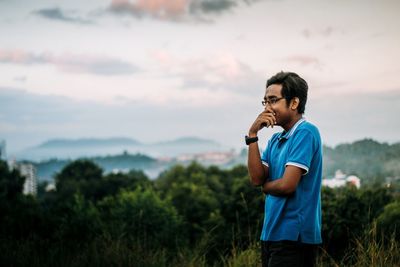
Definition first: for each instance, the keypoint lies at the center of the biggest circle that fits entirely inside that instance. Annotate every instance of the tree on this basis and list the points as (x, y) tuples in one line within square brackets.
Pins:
[(113, 183), (388, 221), (193, 194), (11, 182), (19, 214), (79, 176), (141, 216)]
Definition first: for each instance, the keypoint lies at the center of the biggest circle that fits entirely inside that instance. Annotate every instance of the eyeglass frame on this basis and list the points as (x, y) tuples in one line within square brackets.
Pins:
[(271, 101)]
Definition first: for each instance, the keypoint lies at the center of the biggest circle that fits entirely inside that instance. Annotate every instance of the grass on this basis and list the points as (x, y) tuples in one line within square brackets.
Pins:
[(370, 250)]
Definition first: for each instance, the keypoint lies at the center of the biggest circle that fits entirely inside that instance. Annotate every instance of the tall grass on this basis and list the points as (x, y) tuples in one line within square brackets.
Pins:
[(374, 249), (370, 250)]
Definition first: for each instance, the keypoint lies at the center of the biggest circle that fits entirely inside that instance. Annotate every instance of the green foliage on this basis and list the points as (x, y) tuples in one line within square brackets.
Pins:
[(18, 213), (80, 220), (389, 220), (141, 216), (87, 178), (347, 214), (11, 182), (79, 176), (191, 192)]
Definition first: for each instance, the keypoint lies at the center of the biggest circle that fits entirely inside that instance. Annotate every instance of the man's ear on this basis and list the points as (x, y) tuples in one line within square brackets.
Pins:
[(295, 103)]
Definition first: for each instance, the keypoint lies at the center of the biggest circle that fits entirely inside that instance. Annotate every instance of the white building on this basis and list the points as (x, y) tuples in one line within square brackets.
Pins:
[(29, 172), (340, 179)]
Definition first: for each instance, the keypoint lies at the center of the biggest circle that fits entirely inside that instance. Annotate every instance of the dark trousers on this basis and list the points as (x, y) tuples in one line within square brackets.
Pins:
[(288, 254)]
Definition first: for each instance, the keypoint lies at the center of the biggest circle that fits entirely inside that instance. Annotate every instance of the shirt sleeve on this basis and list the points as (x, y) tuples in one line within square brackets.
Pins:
[(302, 150)]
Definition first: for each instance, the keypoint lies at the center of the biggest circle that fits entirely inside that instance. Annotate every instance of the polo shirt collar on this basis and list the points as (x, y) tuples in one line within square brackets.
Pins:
[(285, 135)]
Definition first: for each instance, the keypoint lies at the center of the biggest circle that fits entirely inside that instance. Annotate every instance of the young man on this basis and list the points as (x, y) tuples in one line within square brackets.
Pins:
[(289, 172)]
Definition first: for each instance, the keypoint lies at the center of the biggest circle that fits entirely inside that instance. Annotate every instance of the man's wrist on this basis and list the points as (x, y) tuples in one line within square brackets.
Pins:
[(249, 140), (251, 134)]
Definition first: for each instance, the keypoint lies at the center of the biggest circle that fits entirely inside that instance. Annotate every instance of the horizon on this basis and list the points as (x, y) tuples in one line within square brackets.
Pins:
[(172, 69), (13, 153)]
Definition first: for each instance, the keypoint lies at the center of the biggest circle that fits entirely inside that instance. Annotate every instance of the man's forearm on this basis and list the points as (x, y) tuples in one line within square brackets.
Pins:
[(275, 188), (255, 167), (286, 185)]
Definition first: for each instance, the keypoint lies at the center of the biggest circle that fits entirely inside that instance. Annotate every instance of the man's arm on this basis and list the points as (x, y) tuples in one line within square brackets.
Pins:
[(287, 184), (258, 172)]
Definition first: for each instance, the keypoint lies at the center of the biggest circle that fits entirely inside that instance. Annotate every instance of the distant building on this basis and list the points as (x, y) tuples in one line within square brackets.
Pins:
[(340, 179), (392, 181), (207, 158), (50, 187), (3, 155), (29, 172)]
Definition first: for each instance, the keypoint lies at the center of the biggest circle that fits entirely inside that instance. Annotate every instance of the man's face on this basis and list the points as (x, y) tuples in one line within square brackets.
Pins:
[(277, 104)]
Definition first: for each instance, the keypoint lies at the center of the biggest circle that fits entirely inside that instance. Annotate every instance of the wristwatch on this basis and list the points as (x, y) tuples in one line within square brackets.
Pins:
[(250, 140)]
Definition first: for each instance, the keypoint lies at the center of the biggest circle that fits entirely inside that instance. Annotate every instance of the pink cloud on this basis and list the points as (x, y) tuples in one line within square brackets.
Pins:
[(162, 56), (164, 9), (160, 7), (304, 60), (99, 65), (21, 57), (175, 10)]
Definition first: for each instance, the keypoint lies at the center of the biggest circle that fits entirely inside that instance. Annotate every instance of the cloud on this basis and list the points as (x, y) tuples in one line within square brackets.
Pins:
[(98, 65), (162, 9), (21, 79), (303, 60), (174, 10), (211, 6), (58, 14), (215, 72), (321, 32)]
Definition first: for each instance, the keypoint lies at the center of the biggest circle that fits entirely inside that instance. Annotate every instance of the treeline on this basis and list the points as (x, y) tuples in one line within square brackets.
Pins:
[(189, 216), (47, 169)]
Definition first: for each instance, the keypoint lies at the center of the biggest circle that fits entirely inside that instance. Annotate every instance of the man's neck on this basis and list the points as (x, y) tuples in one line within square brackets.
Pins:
[(292, 122)]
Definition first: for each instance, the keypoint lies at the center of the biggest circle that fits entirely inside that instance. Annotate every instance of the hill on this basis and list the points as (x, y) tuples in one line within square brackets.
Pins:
[(91, 147), (87, 142), (370, 160)]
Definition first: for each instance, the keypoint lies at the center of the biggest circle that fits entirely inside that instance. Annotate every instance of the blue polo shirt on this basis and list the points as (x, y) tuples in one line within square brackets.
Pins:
[(296, 217)]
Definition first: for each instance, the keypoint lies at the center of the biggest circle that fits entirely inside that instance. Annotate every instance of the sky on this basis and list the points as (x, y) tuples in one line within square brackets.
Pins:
[(157, 70)]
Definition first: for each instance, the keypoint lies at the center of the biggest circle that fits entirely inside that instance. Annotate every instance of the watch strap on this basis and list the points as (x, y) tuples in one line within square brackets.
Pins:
[(250, 140)]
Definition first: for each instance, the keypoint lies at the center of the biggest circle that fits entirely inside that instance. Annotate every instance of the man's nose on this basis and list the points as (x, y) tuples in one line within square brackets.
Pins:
[(268, 108)]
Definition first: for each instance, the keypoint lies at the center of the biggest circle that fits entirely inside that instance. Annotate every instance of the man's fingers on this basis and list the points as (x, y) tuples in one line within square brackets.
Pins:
[(268, 117), (266, 122)]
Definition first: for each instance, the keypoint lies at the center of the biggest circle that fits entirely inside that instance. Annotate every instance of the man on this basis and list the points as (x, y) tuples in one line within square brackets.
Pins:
[(289, 172)]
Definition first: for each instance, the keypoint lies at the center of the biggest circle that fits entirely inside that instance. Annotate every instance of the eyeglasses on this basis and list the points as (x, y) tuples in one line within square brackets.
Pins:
[(271, 101)]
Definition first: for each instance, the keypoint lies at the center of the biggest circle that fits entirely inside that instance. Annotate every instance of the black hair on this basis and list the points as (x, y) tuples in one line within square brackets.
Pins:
[(292, 86)]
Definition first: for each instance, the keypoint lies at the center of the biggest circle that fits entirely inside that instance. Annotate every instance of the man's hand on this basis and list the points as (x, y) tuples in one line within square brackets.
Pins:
[(265, 119)]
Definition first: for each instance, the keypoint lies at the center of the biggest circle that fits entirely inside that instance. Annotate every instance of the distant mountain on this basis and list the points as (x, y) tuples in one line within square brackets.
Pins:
[(88, 142), (92, 147)]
